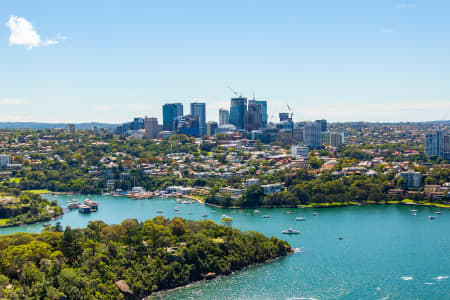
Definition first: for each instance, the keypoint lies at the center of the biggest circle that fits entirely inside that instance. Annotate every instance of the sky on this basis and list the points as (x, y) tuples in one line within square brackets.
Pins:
[(110, 61)]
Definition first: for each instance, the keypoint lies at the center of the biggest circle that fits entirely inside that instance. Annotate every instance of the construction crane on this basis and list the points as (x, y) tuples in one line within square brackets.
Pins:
[(290, 110), (234, 92)]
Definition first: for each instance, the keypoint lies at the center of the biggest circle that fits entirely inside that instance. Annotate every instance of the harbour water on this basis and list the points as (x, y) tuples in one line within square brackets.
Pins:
[(386, 252)]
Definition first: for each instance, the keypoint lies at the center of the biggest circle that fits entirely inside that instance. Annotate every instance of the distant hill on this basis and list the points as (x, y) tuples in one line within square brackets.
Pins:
[(37, 125)]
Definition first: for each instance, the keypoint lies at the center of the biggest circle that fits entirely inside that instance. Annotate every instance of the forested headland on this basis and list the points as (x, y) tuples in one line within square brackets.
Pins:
[(126, 261)]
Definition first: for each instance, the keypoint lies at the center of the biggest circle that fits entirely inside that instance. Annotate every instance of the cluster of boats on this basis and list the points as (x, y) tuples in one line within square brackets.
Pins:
[(414, 213), (88, 206)]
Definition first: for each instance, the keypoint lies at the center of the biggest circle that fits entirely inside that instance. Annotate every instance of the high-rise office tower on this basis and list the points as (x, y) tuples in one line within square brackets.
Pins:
[(284, 117), (238, 112), (447, 146), (434, 143), (254, 115), (211, 127), (138, 123), (312, 134), (224, 117), (264, 117), (188, 125), (323, 125), (170, 112), (151, 128), (199, 110)]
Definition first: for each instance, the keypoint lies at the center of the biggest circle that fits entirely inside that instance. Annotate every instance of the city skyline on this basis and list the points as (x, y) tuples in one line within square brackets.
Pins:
[(383, 61)]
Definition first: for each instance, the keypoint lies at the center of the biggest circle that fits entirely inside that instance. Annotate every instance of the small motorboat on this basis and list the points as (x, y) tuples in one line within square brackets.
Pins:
[(414, 214), (290, 231), (288, 213), (177, 209), (159, 211), (300, 219), (213, 211), (413, 210), (315, 214), (266, 216), (190, 212), (256, 211), (205, 216), (340, 238), (431, 217), (437, 212)]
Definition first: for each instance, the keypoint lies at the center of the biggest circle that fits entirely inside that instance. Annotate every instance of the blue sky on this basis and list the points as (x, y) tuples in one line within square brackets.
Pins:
[(112, 60)]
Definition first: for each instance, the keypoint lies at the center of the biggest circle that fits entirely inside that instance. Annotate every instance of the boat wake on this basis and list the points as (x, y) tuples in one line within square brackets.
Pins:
[(407, 278), (298, 250)]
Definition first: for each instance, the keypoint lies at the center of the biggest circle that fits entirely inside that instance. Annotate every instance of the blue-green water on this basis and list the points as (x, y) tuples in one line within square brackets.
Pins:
[(386, 252)]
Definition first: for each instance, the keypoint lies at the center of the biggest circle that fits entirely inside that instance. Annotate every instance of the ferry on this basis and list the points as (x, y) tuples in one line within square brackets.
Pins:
[(290, 231), (300, 219)]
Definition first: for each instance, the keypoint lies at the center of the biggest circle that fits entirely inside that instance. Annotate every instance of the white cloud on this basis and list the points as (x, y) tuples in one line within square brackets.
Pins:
[(387, 30), (12, 101), (24, 34), (406, 6)]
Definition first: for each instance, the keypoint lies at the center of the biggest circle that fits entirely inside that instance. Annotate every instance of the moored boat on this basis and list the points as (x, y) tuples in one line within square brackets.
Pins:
[(300, 219), (290, 231)]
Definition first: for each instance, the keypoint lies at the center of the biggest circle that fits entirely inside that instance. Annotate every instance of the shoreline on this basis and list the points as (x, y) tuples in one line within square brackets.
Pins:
[(162, 292)]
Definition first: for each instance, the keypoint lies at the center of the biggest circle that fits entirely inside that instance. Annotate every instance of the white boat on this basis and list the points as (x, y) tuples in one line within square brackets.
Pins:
[(438, 212), (190, 212), (224, 216), (288, 213), (300, 219), (414, 214), (256, 211), (431, 217), (213, 211), (266, 216), (205, 216), (413, 210), (290, 231), (315, 214), (177, 209)]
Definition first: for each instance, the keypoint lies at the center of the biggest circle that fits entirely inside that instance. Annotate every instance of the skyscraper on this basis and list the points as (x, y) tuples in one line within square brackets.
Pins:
[(224, 117), (170, 112), (323, 125), (284, 117), (254, 115), (211, 127), (238, 112), (198, 110), (188, 125), (336, 139), (447, 146), (434, 143), (151, 128), (263, 104), (312, 134)]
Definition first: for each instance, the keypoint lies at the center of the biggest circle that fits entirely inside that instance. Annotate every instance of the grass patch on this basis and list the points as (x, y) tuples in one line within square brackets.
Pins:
[(38, 191)]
